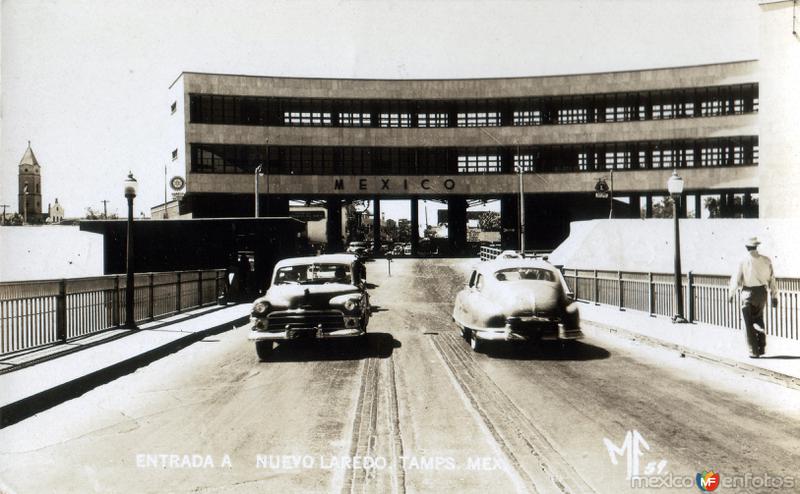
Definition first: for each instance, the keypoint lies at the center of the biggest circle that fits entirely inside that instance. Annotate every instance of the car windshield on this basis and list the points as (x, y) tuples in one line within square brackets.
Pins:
[(313, 274), (517, 274)]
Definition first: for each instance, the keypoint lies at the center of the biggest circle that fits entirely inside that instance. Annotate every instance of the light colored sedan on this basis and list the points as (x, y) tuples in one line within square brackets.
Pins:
[(516, 300)]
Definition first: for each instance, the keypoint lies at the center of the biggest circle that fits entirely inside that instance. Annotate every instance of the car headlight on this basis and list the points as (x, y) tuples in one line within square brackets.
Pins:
[(351, 305), (260, 308)]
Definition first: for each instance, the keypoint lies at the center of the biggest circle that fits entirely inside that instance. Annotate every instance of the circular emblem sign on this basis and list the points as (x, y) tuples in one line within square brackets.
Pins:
[(177, 183)]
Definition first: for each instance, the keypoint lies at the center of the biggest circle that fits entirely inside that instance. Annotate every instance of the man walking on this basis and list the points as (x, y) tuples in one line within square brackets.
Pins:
[(755, 277)]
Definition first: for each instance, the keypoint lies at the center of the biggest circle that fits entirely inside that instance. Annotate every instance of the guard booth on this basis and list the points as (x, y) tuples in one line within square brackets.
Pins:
[(208, 243)]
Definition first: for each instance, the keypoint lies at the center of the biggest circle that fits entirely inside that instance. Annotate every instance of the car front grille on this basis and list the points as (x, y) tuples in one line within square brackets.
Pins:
[(305, 319)]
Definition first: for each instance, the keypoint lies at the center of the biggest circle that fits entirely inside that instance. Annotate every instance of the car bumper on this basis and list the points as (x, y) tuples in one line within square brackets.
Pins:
[(299, 334), (508, 334), (307, 325)]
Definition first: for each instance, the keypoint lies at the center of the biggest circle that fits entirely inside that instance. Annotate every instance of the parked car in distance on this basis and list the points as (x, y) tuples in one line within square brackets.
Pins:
[(516, 300), (311, 297), (397, 250), (357, 248), (509, 254), (407, 250)]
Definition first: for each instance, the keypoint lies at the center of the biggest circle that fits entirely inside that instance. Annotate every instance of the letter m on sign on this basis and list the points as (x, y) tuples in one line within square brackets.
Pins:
[(338, 184)]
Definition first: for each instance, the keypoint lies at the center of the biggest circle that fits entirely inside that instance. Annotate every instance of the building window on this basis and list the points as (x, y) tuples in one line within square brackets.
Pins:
[(526, 161), (664, 111), (618, 114), (572, 116), (355, 119), (479, 119), (527, 117), (430, 120), (712, 107), (479, 164), (618, 159), (395, 120), (174, 107), (306, 118), (175, 154), (712, 156)]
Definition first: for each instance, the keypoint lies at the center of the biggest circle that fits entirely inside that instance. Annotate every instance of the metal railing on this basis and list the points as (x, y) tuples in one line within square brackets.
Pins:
[(38, 313), (490, 252), (705, 297)]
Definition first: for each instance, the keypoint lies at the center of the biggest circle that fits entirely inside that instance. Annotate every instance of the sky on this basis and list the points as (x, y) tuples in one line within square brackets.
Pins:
[(86, 81)]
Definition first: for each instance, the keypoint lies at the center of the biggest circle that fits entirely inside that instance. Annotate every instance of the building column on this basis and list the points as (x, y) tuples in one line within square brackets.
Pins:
[(648, 206), (457, 224), (634, 206), (414, 225), (509, 238), (698, 205), (376, 225), (333, 226)]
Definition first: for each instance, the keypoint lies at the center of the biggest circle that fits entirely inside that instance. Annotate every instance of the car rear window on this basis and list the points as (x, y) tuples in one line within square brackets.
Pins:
[(518, 274)]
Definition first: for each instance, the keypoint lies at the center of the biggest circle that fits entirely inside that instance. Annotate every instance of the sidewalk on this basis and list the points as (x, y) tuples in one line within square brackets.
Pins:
[(33, 381), (716, 344)]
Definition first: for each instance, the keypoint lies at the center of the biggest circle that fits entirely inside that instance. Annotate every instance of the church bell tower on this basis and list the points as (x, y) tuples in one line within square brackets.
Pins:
[(30, 187)]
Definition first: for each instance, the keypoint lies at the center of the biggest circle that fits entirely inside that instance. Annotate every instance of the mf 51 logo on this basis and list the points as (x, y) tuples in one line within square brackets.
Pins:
[(708, 480), (631, 449)]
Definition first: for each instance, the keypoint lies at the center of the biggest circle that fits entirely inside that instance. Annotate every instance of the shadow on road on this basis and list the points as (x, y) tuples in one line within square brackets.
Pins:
[(781, 357), (548, 350), (374, 345)]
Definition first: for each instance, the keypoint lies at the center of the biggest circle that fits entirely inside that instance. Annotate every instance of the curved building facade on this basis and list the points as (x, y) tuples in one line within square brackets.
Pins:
[(457, 141)]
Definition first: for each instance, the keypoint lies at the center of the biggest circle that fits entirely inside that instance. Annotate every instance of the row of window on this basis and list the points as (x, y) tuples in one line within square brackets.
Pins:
[(320, 160), (616, 107)]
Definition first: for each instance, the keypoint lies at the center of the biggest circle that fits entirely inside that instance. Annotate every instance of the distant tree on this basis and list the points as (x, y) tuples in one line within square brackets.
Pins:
[(712, 205), (93, 214), (489, 221), (663, 208), (403, 230), (15, 220), (390, 229)]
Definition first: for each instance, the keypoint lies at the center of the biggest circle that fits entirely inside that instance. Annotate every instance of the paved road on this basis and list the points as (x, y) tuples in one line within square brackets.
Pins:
[(413, 411)]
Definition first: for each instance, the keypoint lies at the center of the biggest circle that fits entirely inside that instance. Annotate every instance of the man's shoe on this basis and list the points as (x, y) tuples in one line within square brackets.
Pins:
[(754, 355)]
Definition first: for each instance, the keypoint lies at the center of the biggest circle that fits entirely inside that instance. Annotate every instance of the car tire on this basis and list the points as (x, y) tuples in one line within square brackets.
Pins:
[(263, 349), (465, 332), (476, 344)]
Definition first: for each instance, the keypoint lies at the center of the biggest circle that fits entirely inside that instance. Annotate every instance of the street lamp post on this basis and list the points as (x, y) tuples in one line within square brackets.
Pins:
[(675, 188), (521, 172), (261, 170), (130, 186), (256, 175)]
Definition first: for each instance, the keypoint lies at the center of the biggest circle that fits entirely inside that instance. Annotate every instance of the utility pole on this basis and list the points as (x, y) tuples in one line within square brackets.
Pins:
[(4, 206), (105, 210)]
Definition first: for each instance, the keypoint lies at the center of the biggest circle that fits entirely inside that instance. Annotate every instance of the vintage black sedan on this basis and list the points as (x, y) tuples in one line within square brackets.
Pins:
[(311, 297), (516, 300)]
